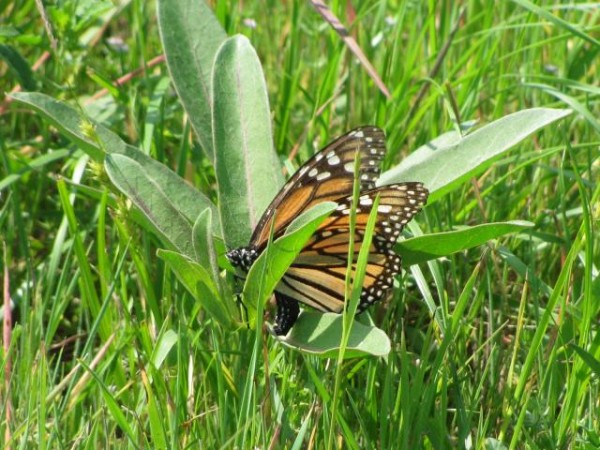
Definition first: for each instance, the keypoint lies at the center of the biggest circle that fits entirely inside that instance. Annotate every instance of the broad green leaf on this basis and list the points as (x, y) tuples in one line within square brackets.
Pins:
[(247, 168), (149, 196), (443, 140), (163, 346), (191, 35), (274, 261), (321, 334), (203, 242), (72, 123), (445, 168), (187, 200), (198, 281), (100, 141), (310, 215), (205, 254), (425, 248)]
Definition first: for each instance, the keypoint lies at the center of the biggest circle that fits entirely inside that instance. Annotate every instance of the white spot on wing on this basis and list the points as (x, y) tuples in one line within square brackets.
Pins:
[(323, 176), (333, 160)]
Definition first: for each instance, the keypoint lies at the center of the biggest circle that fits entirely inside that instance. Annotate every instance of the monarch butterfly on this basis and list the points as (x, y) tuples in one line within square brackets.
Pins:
[(317, 276)]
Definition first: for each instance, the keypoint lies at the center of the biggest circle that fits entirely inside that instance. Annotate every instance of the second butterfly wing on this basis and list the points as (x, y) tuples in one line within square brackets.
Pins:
[(317, 276)]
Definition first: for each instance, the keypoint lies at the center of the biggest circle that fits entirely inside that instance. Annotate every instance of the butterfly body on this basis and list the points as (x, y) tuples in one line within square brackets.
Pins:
[(317, 276), (242, 257)]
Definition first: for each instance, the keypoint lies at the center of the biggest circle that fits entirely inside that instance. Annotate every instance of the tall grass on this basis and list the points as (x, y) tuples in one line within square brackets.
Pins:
[(107, 349)]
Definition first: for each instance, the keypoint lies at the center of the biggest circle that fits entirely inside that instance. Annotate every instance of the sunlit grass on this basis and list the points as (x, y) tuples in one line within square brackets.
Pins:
[(108, 349)]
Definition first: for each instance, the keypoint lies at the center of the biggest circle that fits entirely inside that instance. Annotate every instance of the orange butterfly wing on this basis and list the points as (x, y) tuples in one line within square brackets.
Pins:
[(317, 276), (327, 176)]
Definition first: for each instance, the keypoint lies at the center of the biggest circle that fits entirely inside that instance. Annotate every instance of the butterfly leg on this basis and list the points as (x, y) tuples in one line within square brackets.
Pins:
[(287, 313)]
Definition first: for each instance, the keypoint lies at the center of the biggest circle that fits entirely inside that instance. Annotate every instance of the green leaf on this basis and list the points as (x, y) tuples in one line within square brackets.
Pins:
[(206, 254), (445, 168), (203, 243), (443, 140), (587, 358), (321, 334), (198, 281), (191, 35), (19, 65), (187, 200), (72, 123), (425, 248), (247, 168), (99, 141), (148, 195), (165, 343), (493, 444), (274, 261), (308, 217)]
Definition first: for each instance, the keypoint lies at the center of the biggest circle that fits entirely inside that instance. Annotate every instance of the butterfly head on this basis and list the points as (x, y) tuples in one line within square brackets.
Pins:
[(242, 257)]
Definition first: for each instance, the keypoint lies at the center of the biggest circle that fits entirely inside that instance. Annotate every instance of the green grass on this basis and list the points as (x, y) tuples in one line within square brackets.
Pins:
[(108, 348)]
